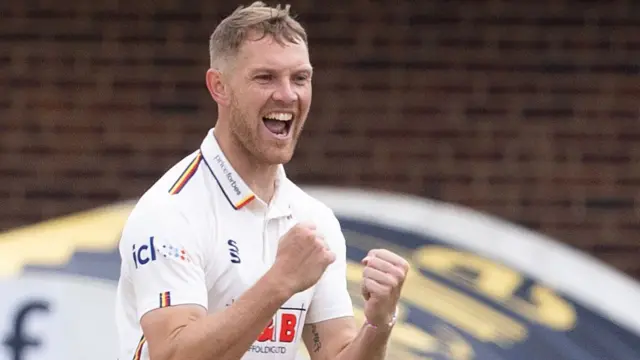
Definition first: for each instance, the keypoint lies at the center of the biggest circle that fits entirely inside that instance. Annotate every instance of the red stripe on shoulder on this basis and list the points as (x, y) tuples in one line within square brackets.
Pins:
[(186, 175)]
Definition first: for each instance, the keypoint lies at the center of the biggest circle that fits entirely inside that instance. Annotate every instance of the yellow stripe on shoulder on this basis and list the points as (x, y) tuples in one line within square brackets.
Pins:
[(186, 175)]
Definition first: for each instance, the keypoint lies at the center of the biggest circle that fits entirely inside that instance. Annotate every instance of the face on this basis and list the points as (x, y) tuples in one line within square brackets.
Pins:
[(269, 91)]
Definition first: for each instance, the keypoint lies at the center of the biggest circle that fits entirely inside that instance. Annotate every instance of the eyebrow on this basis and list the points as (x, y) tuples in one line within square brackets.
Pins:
[(304, 68)]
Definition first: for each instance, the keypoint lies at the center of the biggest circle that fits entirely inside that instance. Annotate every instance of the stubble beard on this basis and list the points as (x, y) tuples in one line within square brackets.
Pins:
[(246, 135)]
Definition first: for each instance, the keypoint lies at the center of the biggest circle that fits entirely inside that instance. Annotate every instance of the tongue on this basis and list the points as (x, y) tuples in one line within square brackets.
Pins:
[(275, 126)]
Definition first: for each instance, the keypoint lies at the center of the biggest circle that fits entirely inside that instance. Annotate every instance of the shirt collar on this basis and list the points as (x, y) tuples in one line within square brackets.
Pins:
[(280, 204), (233, 187)]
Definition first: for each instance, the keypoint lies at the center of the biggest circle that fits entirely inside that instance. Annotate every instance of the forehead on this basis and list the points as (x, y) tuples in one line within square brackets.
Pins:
[(266, 52)]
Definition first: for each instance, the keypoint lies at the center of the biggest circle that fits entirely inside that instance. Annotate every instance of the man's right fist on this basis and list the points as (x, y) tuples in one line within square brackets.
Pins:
[(302, 257)]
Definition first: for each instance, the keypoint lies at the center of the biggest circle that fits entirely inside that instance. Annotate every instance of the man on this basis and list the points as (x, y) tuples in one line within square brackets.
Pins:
[(224, 257)]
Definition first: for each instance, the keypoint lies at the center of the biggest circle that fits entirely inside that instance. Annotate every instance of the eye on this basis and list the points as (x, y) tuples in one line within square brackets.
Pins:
[(263, 77), (302, 78)]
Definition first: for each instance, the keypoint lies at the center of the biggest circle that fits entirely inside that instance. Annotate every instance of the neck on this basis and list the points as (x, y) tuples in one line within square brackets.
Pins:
[(260, 177)]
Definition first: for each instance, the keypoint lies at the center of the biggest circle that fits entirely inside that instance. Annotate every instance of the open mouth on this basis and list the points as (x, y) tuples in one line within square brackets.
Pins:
[(278, 123)]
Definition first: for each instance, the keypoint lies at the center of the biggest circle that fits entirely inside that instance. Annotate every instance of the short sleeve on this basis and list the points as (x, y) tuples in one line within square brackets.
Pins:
[(331, 297), (161, 254)]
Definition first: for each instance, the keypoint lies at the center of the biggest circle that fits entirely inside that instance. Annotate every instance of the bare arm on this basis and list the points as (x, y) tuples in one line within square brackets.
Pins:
[(339, 339), (187, 332)]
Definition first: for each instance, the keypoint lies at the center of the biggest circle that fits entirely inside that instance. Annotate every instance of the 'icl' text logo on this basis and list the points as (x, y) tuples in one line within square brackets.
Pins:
[(144, 253)]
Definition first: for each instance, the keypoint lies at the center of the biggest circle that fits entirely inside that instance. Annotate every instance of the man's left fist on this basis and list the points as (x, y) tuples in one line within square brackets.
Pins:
[(383, 277)]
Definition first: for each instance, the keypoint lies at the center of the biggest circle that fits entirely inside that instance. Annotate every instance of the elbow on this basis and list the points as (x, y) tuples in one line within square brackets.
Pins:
[(168, 350), (177, 352), (182, 345), (161, 354)]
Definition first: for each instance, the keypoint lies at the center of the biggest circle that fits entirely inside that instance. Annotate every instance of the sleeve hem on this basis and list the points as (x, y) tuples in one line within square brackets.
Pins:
[(153, 304), (328, 314)]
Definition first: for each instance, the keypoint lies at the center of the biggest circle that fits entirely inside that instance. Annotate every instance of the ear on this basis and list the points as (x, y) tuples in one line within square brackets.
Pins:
[(217, 87)]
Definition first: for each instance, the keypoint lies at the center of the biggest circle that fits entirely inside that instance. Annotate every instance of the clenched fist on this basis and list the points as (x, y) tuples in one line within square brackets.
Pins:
[(382, 280), (302, 257)]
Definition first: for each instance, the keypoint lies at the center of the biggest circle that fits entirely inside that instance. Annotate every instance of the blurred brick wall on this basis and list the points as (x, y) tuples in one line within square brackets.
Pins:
[(524, 109)]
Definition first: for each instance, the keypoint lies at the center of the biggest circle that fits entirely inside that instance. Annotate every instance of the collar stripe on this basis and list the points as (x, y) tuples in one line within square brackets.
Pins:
[(244, 202), (233, 187), (220, 185)]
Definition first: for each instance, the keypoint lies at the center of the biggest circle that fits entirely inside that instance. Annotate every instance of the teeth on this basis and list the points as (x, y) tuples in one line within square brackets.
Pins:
[(279, 116)]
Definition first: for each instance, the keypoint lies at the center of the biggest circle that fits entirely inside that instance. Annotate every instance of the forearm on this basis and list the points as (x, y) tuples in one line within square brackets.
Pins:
[(369, 344), (228, 334)]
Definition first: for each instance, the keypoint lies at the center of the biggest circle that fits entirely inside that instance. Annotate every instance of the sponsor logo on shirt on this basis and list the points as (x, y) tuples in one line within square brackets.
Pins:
[(228, 174), (282, 330), (234, 252), (152, 250)]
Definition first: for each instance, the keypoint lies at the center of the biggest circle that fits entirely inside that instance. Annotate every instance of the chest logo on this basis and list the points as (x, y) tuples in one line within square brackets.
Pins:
[(234, 252)]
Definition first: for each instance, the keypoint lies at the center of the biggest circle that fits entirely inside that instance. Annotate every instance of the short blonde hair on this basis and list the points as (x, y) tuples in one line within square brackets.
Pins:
[(257, 18)]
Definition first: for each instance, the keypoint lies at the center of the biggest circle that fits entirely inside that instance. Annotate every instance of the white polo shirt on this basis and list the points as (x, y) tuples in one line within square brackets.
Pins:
[(200, 236)]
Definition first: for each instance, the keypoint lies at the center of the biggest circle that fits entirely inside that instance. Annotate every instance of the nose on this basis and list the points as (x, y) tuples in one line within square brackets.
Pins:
[(285, 93)]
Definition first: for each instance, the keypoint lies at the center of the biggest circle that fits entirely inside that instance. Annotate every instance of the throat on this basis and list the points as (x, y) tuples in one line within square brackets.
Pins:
[(263, 184), (259, 176)]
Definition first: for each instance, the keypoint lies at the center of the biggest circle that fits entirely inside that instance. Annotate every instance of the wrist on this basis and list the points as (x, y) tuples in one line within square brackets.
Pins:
[(387, 323), (278, 285)]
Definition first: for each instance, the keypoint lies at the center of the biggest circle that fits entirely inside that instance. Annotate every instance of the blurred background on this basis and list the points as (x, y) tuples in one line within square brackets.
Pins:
[(526, 111)]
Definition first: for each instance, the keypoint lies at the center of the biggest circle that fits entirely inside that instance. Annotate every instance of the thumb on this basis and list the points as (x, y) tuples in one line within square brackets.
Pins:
[(365, 292), (330, 256), (307, 224)]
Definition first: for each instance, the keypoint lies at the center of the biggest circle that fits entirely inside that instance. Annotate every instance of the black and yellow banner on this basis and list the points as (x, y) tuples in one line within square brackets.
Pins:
[(479, 289)]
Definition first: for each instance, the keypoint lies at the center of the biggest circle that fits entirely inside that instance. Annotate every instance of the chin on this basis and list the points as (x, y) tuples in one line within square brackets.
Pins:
[(277, 156)]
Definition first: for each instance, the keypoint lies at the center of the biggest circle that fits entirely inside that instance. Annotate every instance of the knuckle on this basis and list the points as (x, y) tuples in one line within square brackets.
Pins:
[(374, 261), (393, 279), (305, 235), (330, 256), (294, 232), (405, 266), (388, 291), (399, 273), (390, 281)]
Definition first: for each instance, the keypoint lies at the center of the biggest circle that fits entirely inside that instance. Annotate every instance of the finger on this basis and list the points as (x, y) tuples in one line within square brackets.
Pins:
[(330, 256), (373, 287), (307, 225), (363, 289), (380, 277), (389, 256), (386, 267), (303, 231), (322, 241)]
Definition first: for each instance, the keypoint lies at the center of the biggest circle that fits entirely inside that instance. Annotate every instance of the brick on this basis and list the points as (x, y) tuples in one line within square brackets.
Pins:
[(524, 111)]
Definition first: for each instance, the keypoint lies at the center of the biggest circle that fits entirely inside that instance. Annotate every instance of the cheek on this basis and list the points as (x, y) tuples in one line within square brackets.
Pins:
[(246, 106), (256, 99), (305, 97)]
